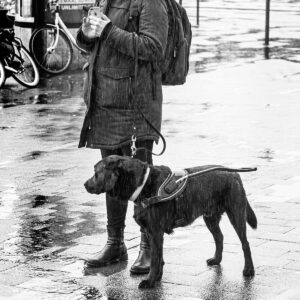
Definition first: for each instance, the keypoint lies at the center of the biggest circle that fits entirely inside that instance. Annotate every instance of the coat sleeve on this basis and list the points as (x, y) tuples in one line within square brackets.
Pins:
[(152, 33), (84, 42)]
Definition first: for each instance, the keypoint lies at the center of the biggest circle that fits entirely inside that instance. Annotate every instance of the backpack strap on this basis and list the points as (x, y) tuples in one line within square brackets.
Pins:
[(134, 9)]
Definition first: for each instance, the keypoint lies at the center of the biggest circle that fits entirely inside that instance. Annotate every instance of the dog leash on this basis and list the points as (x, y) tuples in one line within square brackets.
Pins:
[(216, 169), (162, 137), (136, 107), (174, 184)]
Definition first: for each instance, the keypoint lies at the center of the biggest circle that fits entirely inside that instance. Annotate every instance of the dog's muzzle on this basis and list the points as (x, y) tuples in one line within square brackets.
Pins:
[(90, 187)]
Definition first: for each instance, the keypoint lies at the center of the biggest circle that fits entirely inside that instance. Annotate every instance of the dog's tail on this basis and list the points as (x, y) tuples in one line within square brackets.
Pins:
[(251, 217)]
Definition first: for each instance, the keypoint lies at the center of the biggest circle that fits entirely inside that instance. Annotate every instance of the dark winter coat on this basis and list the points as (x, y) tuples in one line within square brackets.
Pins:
[(110, 111)]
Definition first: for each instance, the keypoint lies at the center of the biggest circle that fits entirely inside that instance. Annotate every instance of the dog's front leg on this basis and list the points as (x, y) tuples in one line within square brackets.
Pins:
[(156, 266)]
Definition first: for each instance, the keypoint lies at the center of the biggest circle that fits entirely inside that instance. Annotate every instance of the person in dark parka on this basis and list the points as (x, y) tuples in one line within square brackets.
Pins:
[(111, 112)]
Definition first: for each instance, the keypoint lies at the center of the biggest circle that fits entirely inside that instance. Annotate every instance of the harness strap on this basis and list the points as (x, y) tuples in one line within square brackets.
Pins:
[(151, 201), (163, 193)]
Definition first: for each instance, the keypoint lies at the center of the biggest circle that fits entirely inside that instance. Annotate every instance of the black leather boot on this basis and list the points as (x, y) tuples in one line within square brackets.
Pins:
[(142, 263), (113, 252)]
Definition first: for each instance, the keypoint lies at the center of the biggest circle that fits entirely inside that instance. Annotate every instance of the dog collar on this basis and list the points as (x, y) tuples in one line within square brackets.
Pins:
[(138, 190)]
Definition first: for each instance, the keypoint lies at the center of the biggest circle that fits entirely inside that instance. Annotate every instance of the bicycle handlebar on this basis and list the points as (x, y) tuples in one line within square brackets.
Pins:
[(53, 6)]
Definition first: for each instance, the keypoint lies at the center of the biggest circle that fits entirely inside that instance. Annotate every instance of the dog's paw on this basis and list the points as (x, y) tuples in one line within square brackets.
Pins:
[(213, 261), (146, 284), (248, 272)]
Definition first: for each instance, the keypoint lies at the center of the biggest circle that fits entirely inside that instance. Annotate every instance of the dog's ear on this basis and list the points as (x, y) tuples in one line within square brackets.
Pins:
[(127, 165), (130, 173), (110, 181), (134, 167)]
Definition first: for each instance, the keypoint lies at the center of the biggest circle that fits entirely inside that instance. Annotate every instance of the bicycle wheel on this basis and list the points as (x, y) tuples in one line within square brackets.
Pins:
[(27, 71), (2, 74), (57, 60)]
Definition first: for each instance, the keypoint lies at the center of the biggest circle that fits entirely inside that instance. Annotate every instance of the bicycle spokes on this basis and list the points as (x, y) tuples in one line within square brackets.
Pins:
[(52, 40), (51, 49), (27, 73)]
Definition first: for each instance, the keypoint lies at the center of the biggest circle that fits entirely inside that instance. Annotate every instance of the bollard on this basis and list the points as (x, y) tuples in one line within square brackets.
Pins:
[(267, 27), (198, 9)]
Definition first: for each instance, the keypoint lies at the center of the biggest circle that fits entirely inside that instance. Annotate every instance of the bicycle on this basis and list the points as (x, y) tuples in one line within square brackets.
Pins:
[(51, 45), (16, 61)]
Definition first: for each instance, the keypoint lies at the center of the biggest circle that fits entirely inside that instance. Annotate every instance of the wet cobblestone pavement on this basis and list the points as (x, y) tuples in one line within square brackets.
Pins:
[(243, 112)]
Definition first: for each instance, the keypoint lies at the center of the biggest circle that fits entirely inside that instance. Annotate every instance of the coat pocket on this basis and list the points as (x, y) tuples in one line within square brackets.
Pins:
[(113, 87)]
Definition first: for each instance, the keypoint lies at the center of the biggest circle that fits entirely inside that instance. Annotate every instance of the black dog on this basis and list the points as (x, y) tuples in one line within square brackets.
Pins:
[(210, 195)]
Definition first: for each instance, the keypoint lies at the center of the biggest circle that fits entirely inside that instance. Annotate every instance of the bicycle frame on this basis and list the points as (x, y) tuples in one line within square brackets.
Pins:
[(18, 44), (58, 22)]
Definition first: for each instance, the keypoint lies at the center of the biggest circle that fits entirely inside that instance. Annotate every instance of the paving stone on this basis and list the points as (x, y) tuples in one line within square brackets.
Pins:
[(8, 291), (285, 246), (291, 294), (49, 286), (294, 265), (292, 255), (5, 265), (51, 265), (261, 260), (15, 276)]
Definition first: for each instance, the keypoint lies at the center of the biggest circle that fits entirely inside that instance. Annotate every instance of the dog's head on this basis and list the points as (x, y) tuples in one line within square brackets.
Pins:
[(117, 176)]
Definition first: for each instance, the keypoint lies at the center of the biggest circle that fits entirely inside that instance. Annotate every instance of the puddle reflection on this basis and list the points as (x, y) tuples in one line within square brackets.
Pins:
[(45, 222), (32, 155), (219, 287), (49, 91), (107, 270), (267, 154)]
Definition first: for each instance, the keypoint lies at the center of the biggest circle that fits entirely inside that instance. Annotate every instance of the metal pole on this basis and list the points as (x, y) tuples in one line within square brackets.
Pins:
[(267, 28), (198, 7)]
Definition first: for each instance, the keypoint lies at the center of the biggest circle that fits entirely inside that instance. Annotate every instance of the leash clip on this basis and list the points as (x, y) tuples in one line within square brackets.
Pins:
[(133, 146)]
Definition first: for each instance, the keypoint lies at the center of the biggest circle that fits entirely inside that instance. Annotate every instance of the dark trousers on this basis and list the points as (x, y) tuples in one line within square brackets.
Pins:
[(116, 210)]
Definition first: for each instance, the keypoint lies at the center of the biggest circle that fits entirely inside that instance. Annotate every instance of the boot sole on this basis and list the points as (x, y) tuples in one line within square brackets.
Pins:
[(113, 261), (139, 271)]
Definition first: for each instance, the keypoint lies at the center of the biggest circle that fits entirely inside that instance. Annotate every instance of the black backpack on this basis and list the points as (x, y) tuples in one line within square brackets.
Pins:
[(175, 65)]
